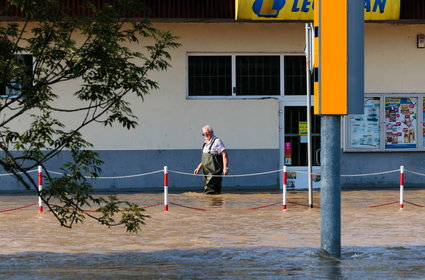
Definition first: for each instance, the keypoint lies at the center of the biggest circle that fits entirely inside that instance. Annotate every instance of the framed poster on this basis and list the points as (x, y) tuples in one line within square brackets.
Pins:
[(400, 122), (365, 129)]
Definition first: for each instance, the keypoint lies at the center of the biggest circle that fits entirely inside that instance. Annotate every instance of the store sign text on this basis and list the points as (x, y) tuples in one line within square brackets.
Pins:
[(303, 9)]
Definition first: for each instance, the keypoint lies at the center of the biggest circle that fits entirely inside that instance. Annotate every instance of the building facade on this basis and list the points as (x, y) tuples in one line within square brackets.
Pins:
[(248, 80)]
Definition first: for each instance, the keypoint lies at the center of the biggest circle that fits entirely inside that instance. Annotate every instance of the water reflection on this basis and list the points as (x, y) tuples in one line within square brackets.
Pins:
[(330, 268), (217, 202)]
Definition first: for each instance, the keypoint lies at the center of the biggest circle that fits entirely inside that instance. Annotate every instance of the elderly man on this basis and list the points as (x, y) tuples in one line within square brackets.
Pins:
[(215, 161)]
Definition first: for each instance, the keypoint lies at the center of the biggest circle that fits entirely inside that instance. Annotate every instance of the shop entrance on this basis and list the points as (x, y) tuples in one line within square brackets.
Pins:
[(295, 134), (294, 145)]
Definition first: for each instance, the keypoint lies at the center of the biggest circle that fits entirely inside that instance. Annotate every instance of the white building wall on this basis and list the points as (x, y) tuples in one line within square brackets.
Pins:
[(168, 120), (393, 63)]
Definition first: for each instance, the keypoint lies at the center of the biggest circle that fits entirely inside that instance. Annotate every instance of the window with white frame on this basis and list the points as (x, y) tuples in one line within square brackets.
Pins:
[(18, 73), (389, 123), (223, 75)]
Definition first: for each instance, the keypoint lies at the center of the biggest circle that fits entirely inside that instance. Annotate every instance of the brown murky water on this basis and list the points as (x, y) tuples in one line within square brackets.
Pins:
[(227, 241)]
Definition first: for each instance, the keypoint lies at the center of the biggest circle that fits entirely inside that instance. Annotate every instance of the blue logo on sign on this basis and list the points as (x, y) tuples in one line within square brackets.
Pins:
[(268, 8)]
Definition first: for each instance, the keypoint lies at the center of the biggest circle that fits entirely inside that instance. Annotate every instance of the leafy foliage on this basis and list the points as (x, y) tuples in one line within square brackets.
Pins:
[(112, 57)]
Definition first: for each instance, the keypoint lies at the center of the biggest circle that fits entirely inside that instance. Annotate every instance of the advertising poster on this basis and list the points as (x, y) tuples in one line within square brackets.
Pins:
[(365, 129), (400, 122)]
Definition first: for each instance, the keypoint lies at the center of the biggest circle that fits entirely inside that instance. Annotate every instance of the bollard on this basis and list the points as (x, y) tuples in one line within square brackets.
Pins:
[(165, 188), (285, 183), (401, 187), (40, 188)]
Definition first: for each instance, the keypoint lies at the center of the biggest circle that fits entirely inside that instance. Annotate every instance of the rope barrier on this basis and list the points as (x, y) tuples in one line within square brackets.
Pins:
[(54, 172), (414, 204), (130, 176), (184, 206), (149, 206), (18, 208), (226, 176), (91, 211), (97, 211), (203, 209), (416, 173), (11, 174), (264, 206), (305, 205), (371, 174), (116, 177), (166, 171), (384, 204)]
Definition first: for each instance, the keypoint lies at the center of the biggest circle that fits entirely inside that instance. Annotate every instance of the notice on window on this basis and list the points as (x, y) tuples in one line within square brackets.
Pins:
[(302, 128), (400, 122), (288, 153), (365, 129)]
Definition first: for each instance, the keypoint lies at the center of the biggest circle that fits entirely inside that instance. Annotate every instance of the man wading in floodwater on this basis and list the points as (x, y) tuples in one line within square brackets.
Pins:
[(214, 161)]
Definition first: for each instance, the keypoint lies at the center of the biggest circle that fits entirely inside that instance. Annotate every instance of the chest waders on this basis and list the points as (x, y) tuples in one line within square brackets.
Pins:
[(212, 165)]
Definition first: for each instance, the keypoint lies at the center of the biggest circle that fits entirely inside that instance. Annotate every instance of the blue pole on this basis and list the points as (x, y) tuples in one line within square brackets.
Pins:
[(330, 189)]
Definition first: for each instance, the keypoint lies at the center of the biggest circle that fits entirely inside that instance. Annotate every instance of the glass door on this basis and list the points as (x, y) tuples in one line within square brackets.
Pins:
[(294, 147), (295, 136)]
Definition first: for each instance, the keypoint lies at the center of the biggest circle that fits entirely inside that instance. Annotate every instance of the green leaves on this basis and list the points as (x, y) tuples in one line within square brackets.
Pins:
[(106, 59), (74, 193), (131, 216)]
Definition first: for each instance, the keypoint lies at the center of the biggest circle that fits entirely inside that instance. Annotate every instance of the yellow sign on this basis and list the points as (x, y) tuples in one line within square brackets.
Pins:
[(392, 100), (339, 61), (302, 128), (331, 96), (304, 9)]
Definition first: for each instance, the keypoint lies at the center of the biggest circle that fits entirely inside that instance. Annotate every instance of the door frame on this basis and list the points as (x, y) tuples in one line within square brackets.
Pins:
[(288, 101)]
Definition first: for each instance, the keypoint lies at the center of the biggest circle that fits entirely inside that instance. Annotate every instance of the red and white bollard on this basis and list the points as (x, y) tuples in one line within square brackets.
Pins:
[(165, 188), (285, 181), (40, 188), (401, 187)]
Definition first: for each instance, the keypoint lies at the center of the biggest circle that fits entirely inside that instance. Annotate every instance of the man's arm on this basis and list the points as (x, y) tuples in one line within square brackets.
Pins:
[(225, 162), (196, 171)]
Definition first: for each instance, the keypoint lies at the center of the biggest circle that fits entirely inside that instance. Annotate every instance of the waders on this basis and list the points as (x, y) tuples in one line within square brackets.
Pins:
[(212, 165)]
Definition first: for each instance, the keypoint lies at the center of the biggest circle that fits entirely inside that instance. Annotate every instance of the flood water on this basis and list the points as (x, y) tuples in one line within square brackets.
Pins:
[(227, 241)]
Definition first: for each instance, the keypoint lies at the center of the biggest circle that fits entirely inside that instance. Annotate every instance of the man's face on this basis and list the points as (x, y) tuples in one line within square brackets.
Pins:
[(206, 134)]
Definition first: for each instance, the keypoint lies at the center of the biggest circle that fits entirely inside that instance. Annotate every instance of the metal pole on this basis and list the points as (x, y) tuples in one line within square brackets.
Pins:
[(309, 69), (330, 189)]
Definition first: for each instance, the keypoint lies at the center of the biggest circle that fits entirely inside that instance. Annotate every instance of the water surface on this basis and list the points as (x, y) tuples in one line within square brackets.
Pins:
[(226, 241)]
